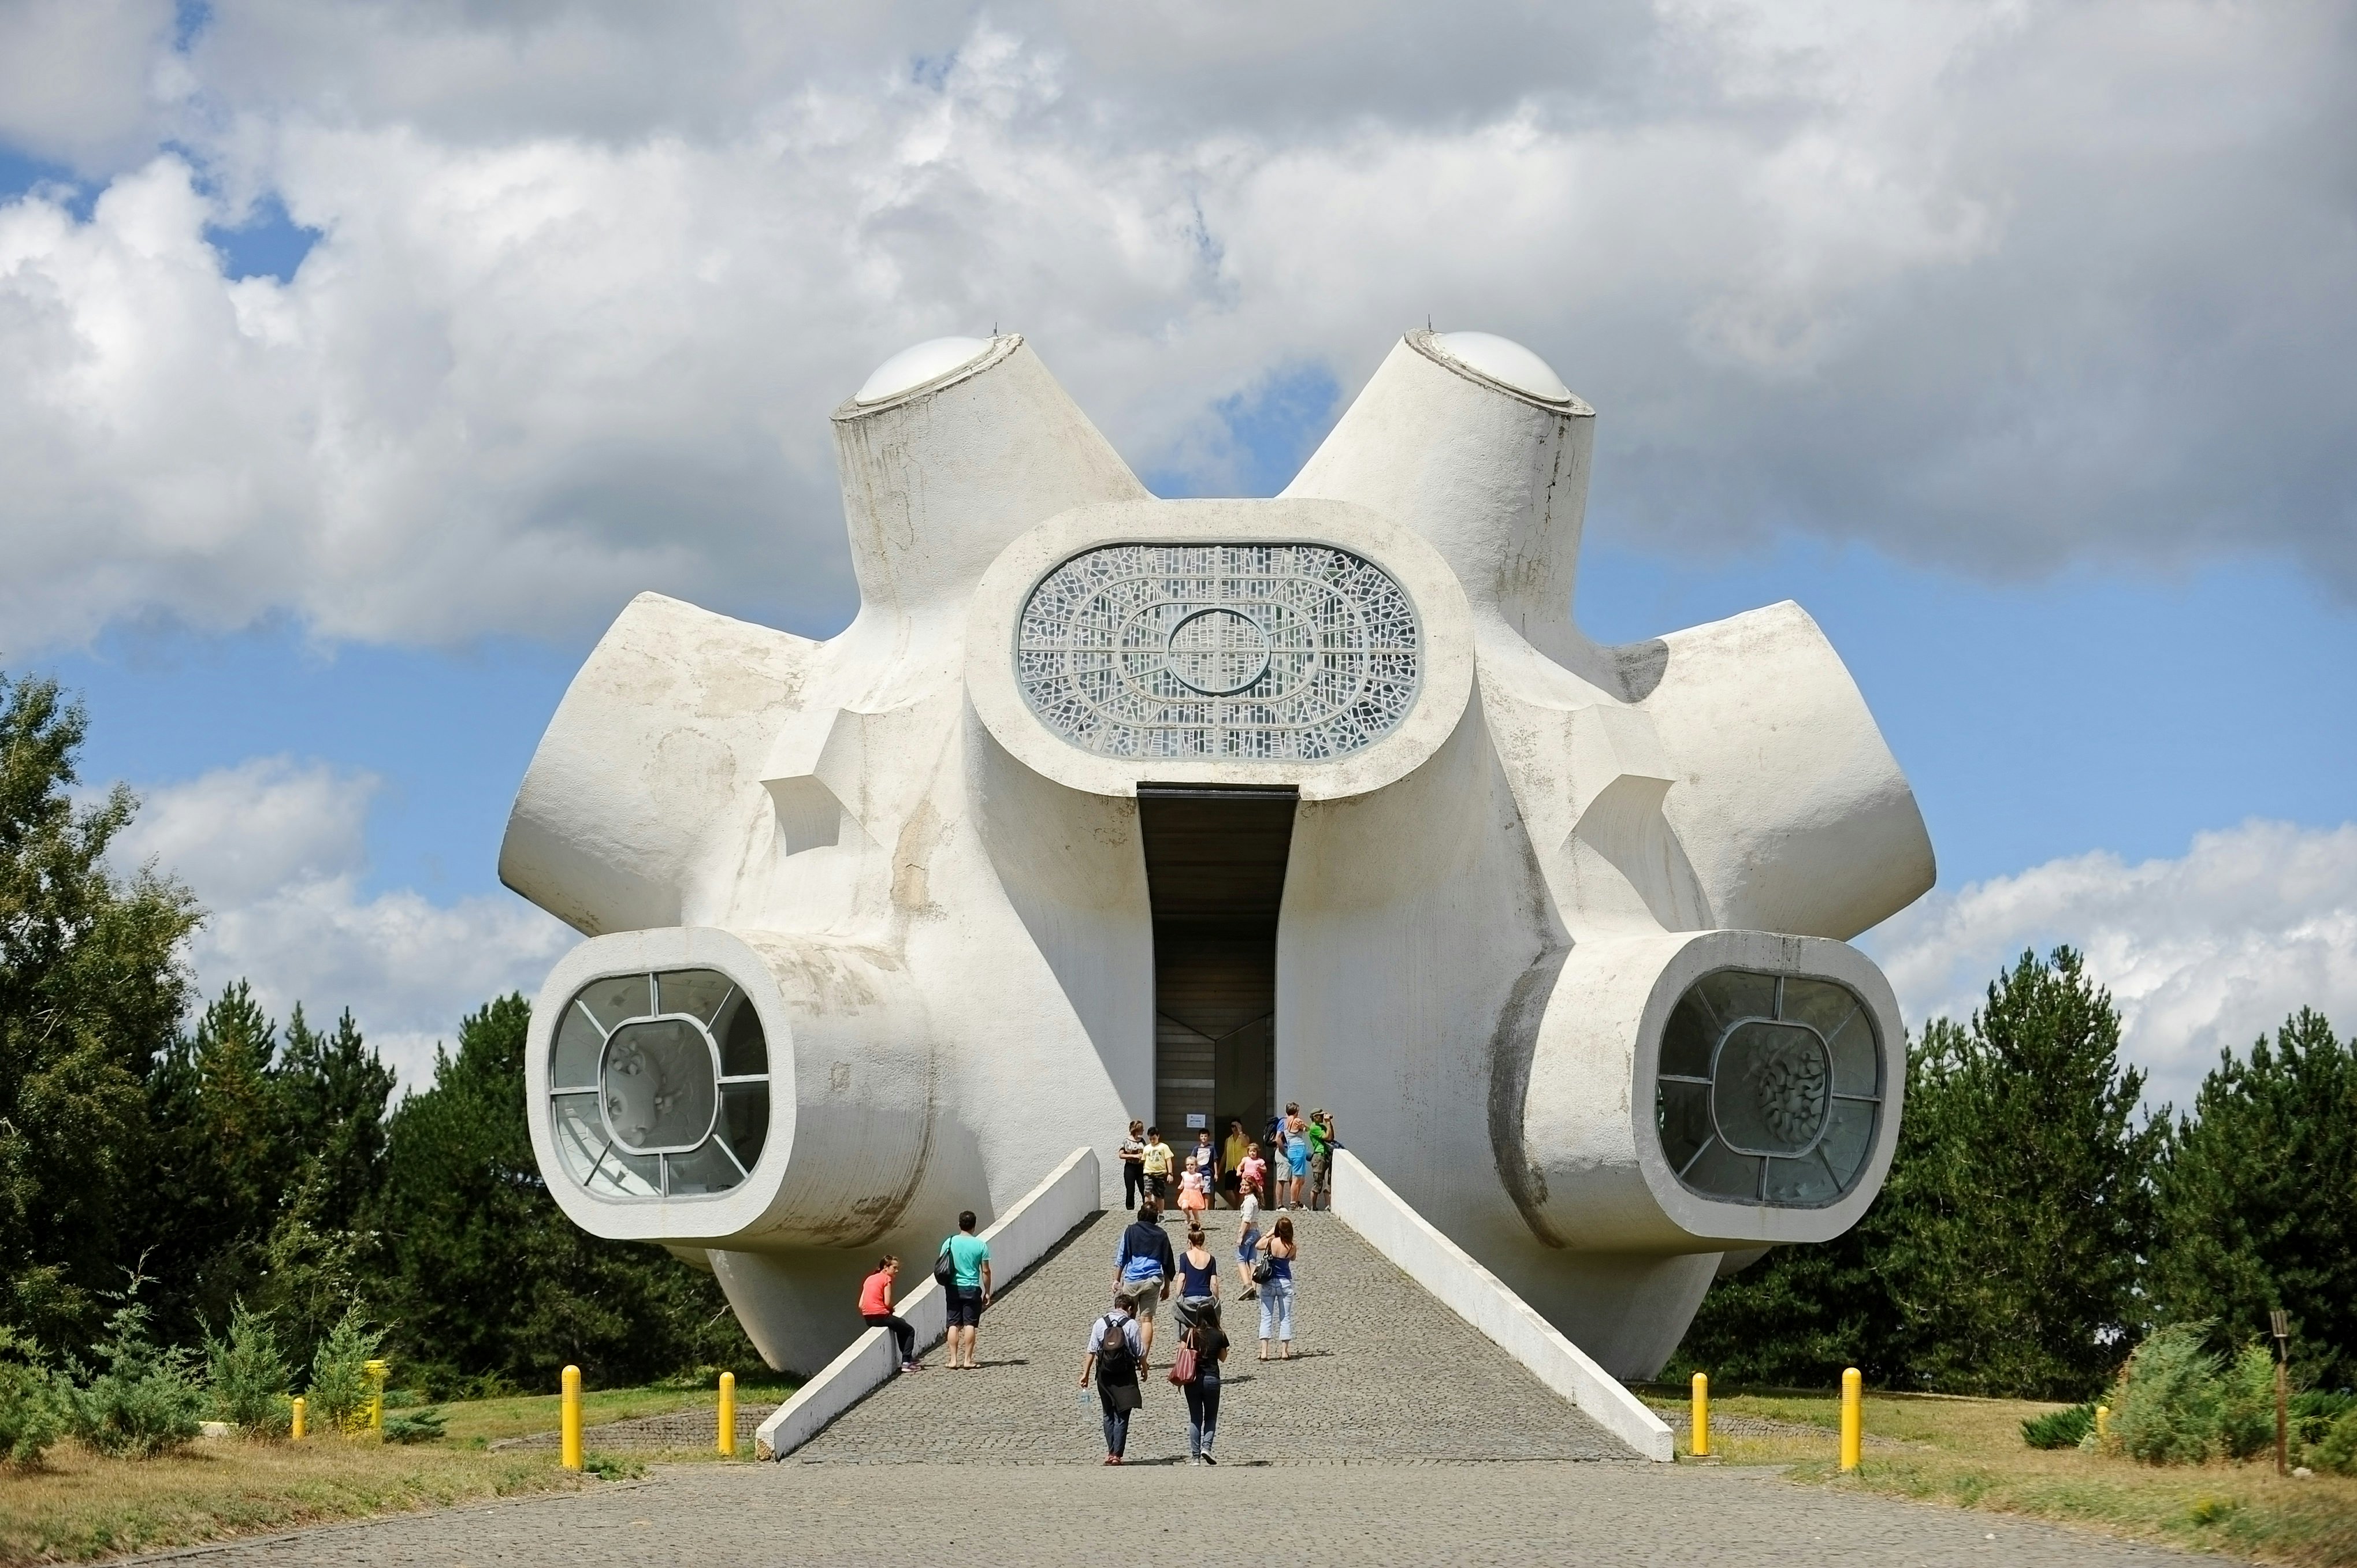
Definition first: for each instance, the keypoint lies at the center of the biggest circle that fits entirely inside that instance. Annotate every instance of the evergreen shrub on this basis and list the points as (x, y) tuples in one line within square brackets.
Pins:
[(339, 1381), (249, 1376), (2066, 1428), (148, 1400), (2165, 1410), (31, 1416), (2338, 1450)]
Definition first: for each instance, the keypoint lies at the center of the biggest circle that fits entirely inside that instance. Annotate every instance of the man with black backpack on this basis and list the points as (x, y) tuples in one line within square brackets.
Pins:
[(1115, 1352)]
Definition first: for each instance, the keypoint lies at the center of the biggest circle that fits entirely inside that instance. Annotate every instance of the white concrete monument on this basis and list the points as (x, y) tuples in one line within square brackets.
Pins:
[(1106, 806)]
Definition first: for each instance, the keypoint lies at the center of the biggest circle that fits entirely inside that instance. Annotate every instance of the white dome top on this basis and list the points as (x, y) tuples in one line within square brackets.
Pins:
[(929, 361), (1500, 358)]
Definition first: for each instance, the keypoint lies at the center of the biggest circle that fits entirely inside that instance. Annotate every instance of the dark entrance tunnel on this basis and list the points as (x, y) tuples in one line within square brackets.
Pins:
[(1215, 866)]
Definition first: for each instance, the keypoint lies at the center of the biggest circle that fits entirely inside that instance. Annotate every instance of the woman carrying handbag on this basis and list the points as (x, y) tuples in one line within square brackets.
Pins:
[(1196, 1371)]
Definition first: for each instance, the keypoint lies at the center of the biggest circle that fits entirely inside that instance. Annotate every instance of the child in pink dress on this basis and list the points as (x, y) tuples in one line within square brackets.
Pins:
[(1194, 1193)]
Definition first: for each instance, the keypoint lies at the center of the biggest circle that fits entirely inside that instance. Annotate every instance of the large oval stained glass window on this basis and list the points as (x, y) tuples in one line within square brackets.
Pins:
[(1243, 652)]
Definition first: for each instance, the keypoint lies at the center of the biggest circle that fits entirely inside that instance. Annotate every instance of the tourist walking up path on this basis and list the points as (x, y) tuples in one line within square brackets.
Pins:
[(1279, 1250), (1116, 1353), (1296, 1154), (1199, 1379), (969, 1289), (1198, 1279), (1143, 1265)]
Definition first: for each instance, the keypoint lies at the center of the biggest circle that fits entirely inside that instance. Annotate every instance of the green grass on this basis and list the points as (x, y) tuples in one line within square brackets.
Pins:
[(1969, 1453), (79, 1505)]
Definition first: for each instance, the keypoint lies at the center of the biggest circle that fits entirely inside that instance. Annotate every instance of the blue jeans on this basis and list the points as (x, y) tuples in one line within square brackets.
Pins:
[(1117, 1428), (1203, 1411), (1277, 1310)]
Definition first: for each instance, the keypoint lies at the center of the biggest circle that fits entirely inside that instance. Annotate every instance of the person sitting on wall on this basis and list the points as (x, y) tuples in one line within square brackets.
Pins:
[(1143, 1266), (969, 1290), (876, 1311), (1157, 1160)]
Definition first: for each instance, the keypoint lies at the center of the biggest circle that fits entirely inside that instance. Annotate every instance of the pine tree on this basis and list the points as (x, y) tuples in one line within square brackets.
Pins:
[(92, 987), (2258, 1201), (224, 1163)]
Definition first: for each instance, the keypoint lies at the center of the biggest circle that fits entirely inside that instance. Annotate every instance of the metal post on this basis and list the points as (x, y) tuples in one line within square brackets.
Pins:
[(728, 1415), (1701, 1443), (1852, 1431), (569, 1419), (2102, 1423), (376, 1371), (2279, 1322), (301, 1410)]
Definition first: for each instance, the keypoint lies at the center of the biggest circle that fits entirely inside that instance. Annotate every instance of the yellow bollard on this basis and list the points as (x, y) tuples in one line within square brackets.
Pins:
[(301, 1409), (569, 1420), (2103, 1422), (1853, 1418), (1701, 1416), (375, 1370), (728, 1415)]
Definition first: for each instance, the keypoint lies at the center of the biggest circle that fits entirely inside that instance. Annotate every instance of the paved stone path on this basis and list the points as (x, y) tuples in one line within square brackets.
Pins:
[(772, 1516), (1380, 1372)]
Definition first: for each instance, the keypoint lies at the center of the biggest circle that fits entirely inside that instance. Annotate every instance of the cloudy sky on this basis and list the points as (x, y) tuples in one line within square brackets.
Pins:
[(363, 359)]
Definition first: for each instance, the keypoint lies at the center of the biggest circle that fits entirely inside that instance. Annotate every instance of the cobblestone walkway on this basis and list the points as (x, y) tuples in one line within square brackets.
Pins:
[(1380, 1372), (778, 1516)]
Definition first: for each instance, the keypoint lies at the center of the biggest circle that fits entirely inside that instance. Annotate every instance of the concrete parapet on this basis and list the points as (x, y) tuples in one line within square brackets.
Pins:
[(1363, 1202), (1039, 1219)]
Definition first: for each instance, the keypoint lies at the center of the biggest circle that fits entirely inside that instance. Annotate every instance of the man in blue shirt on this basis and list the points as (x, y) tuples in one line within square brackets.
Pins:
[(1144, 1266), (969, 1288)]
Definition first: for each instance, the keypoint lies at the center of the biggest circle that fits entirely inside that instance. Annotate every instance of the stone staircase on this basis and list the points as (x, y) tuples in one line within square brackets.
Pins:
[(1382, 1372)]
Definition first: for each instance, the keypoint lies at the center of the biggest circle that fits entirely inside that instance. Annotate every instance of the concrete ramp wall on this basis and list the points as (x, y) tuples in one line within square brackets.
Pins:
[(1021, 1238), (1363, 1202)]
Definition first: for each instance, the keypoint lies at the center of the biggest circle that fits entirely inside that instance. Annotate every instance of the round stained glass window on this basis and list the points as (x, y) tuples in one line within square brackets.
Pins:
[(659, 1085), (1769, 1088), (1248, 652)]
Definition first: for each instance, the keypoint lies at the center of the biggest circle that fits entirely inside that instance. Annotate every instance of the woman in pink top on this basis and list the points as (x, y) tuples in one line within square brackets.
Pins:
[(876, 1311)]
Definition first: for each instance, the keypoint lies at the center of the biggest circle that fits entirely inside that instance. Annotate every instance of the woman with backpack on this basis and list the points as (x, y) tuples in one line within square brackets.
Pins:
[(1115, 1349), (1274, 1274), (1196, 1371)]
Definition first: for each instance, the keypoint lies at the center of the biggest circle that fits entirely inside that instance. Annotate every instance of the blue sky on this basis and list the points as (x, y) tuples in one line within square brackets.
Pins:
[(356, 392)]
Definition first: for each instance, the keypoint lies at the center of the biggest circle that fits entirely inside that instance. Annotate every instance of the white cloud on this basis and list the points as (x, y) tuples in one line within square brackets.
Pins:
[(1994, 286), (2200, 954), (275, 850)]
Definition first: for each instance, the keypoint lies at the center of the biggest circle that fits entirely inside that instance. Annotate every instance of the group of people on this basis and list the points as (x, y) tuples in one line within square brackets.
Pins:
[(1147, 1271), (1295, 1171)]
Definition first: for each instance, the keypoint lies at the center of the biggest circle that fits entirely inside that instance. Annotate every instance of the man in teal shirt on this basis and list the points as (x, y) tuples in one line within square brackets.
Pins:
[(969, 1288)]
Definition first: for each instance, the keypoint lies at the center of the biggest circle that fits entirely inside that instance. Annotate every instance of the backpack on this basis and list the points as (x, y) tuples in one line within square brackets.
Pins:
[(945, 1269), (1115, 1362)]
